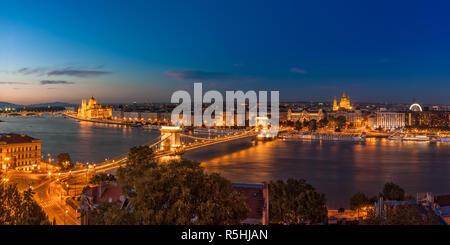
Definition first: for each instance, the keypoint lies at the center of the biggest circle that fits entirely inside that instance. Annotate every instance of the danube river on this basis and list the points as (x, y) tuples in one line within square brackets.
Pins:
[(84, 141), (338, 169)]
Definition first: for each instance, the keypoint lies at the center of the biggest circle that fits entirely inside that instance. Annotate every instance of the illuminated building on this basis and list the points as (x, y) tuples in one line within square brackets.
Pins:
[(354, 117), (117, 115), (132, 116), (149, 116), (390, 120), (305, 115), (430, 119), (344, 104), (20, 152), (92, 110)]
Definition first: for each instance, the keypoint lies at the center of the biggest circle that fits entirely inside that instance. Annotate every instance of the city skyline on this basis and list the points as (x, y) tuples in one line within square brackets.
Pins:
[(389, 52), (237, 117)]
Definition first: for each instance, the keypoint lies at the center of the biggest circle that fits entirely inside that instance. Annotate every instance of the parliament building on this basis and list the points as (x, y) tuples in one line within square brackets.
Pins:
[(92, 110)]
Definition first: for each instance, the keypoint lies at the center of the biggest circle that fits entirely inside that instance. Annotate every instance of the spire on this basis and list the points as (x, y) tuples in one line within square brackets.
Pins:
[(343, 95), (335, 104)]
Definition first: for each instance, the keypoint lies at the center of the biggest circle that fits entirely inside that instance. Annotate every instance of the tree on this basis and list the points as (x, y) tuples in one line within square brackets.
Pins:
[(305, 123), (290, 123), (296, 202), (404, 214), (340, 122), (102, 177), (111, 214), (20, 209), (64, 161), (322, 123), (139, 160), (298, 125), (358, 201), (176, 193), (393, 191), (179, 192), (312, 126)]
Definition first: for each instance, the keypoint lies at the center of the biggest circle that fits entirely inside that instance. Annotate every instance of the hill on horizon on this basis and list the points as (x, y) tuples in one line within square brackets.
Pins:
[(63, 104)]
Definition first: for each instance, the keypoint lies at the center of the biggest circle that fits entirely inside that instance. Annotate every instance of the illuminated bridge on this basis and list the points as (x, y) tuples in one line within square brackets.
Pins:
[(173, 141), (29, 113)]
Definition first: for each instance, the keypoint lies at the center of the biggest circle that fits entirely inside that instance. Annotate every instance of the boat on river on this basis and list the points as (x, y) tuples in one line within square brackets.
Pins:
[(421, 138)]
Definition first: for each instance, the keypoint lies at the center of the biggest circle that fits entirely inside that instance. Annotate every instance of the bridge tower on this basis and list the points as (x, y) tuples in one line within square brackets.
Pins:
[(171, 134), (263, 129)]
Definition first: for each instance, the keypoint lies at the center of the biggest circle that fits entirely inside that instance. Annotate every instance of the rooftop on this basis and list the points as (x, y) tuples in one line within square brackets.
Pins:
[(104, 193), (16, 138)]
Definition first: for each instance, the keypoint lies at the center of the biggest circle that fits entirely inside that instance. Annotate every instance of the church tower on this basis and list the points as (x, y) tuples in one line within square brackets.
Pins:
[(335, 104), (345, 102)]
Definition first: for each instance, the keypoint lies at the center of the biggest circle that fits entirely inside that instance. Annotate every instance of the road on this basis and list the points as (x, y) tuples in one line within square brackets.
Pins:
[(50, 196)]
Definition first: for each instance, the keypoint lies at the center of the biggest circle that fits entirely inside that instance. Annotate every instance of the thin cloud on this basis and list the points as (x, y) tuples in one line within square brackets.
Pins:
[(47, 82), (298, 70), (197, 75), (32, 71), (13, 83), (77, 73)]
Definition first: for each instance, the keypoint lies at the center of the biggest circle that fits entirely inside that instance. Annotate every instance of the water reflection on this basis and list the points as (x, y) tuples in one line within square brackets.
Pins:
[(84, 141), (339, 169)]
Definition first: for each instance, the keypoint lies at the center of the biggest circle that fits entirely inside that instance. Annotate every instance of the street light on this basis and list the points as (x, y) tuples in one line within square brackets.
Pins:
[(65, 216)]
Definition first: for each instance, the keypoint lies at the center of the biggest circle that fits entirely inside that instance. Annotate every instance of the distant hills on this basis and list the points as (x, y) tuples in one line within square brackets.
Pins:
[(62, 104), (52, 104), (6, 104)]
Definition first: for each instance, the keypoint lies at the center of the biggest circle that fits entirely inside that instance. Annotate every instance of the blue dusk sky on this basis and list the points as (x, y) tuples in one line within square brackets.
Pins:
[(125, 51)]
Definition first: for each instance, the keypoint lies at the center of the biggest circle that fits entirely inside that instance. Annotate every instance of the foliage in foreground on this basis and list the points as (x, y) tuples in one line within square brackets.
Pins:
[(178, 192), (19, 208), (403, 214), (296, 202), (102, 177), (406, 214)]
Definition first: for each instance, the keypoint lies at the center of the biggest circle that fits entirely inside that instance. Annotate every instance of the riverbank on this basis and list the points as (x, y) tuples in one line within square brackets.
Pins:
[(324, 136), (84, 141), (103, 121)]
